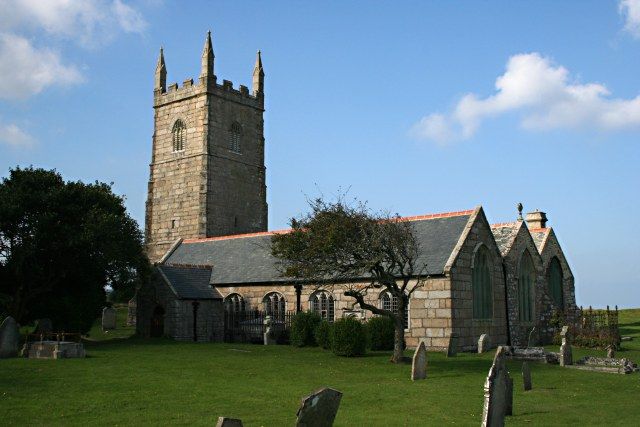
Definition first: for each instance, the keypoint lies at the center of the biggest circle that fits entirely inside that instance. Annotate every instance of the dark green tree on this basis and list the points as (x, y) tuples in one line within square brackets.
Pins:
[(61, 244), (340, 242)]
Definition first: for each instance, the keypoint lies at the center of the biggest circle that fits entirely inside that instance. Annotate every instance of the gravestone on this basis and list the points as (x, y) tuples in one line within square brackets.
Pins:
[(131, 311), (419, 363), (498, 392), (43, 326), (108, 318), (9, 338), (452, 349), (533, 338), (526, 376), (566, 355), (319, 409), (228, 422), (268, 335), (484, 342), (611, 352)]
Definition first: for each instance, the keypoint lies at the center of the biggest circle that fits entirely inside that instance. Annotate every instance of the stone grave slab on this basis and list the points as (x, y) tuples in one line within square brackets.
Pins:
[(9, 338), (108, 318), (419, 363), (526, 376), (228, 422), (452, 349), (319, 409), (498, 392), (484, 343)]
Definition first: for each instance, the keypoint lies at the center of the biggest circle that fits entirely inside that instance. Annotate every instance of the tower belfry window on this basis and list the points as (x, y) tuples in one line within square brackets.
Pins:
[(234, 137), (179, 133)]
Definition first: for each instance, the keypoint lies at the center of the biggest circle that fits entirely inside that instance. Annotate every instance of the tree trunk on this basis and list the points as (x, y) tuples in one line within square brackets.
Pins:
[(398, 344)]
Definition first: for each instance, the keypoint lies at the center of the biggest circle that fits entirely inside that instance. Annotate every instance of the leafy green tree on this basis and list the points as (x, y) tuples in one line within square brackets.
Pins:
[(61, 244), (338, 242)]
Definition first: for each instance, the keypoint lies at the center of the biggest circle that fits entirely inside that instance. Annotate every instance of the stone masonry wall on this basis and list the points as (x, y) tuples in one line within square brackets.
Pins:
[(465, 326)]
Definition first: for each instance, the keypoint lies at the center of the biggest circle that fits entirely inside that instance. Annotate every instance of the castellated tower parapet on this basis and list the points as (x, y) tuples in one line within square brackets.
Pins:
[(207, 173)]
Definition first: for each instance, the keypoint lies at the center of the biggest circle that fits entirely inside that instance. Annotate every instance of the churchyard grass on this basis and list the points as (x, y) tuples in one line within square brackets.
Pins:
[(160, 382)]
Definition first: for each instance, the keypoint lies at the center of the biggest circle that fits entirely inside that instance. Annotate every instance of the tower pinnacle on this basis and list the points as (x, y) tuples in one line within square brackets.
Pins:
[(161, 73), (207, 58), (258, 76)]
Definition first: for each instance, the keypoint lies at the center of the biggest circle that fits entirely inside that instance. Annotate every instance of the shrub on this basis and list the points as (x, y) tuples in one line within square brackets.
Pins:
[(381, 331), (323, 334), (303, 327), (349, 337)]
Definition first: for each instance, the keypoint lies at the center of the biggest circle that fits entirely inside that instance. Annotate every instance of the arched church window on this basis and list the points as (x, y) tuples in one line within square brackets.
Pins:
[(526, 281), (323, 304), (555, 282), (390, 303), (179, 134), (234, 303), (234, 137), (274, 305), (481, 285)]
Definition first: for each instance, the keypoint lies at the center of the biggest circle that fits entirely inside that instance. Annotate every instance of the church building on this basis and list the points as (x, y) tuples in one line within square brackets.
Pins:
[(206, 233)]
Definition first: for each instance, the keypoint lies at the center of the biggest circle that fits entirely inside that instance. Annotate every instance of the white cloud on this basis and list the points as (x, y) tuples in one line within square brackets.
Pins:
[(88, 22), (543, 94), (12, 135), (27, 70), (630, 9)]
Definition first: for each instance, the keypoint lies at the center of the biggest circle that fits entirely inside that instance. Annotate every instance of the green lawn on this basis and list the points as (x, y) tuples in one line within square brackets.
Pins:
[(131, 381)]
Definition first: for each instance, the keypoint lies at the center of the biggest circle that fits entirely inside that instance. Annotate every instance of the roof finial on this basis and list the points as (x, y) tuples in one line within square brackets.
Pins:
[(519, 206)]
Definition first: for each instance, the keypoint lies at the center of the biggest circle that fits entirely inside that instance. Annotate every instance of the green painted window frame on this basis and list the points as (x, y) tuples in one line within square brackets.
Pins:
[(526, 284), (555, 282), (481, 285)]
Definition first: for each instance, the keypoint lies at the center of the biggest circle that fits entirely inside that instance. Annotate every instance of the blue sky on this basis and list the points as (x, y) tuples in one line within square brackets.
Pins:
[(416, 107)]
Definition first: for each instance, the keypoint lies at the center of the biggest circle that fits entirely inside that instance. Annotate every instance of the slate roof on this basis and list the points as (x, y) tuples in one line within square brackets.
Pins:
[(247, 258), (190, 282), (505, 234), (539, 236)]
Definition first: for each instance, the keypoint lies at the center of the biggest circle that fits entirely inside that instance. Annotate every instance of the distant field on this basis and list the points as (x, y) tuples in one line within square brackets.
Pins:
[(160, 382)]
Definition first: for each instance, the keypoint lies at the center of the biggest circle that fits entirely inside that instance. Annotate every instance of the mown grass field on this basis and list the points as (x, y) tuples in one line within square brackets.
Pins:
[(160, 382)]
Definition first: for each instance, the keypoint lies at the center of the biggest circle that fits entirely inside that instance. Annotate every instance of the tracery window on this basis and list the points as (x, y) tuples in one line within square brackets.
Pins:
[(323, 304), (555, 282), (481, 285), (390, 303), (234, 137), (234, 303), (274, 305), (526, 281), (179, 133)]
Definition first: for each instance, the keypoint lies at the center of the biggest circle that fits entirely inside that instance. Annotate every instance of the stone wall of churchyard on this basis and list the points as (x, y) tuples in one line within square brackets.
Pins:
[(552, 249), (465, 325), (542, 301)]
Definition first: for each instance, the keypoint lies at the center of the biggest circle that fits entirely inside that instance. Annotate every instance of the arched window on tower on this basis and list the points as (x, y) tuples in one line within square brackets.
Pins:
[(555, 282), (526, 283), (390, 303), (274, 305), (234, 303), (481, 285), (322, 303), (234, 137), (179, 134)]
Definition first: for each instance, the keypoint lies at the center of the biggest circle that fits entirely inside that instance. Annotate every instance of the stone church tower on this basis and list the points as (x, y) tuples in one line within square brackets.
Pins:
[(207, 173)]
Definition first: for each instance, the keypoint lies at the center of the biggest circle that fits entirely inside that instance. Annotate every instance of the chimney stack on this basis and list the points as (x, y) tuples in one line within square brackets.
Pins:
[(537, 219)]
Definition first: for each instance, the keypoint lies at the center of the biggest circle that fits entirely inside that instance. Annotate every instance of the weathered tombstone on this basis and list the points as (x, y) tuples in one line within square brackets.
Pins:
[(611, 351), (452, 349), (484, 343), (498, 392), (268, 337), (131, 311), (9, 338), (526, 376), (108, 318), (228, 422), (533, 338), (419, 363), (566, 355), (319, 409), (43, 326)]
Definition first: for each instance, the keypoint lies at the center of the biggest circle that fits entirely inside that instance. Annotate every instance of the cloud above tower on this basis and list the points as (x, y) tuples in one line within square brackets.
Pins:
[(630, 10), (544, 95)]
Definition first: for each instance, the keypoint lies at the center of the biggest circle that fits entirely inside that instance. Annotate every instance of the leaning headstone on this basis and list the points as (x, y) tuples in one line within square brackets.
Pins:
[(319, 409), (228, 422), (566, 355), (533, 338), (526, 376), (9, 338), (419, 363), (452, 349), (498, 392), (131, 311), (483, 343), (611, 352), (108, 318), (268, 337), (43, 327)]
